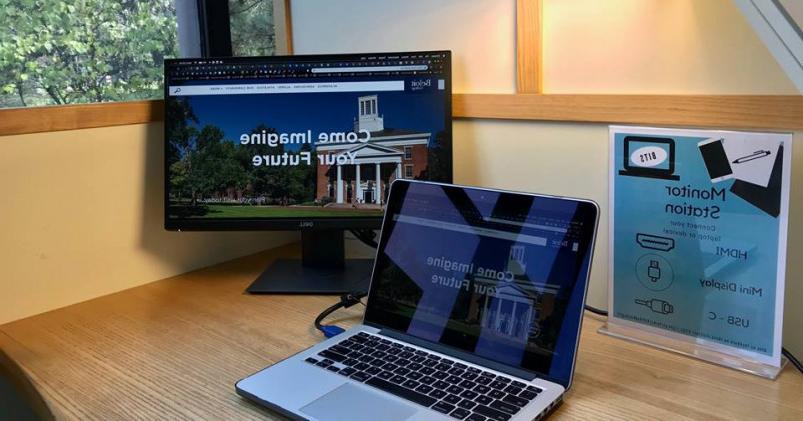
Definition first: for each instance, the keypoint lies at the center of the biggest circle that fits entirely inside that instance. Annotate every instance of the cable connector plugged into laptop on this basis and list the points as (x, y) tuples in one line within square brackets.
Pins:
[(330, 331), (346, 301)]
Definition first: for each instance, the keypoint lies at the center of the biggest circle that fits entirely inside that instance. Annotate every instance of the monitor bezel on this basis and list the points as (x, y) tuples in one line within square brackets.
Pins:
[(280, 224)]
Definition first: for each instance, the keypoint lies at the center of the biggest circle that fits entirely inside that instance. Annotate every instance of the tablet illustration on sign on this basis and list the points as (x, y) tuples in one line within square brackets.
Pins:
[(650, 157), (716, 161), (756, 179)]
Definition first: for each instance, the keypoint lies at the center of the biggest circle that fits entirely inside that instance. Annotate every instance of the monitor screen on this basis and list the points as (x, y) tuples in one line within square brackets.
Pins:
[(301, 141), (500, 275)]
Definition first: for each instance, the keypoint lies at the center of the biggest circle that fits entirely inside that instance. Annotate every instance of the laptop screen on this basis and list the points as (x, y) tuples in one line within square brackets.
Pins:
[(496, 274)]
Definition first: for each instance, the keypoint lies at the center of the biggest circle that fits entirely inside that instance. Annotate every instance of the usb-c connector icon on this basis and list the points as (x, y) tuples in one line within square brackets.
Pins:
[(656, 305)]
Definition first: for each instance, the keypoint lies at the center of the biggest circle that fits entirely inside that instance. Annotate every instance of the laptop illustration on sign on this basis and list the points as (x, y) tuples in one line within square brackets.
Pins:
[(650, 157)]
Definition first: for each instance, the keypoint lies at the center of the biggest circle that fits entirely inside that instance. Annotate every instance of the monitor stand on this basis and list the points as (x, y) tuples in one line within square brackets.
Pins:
[(323, 269)]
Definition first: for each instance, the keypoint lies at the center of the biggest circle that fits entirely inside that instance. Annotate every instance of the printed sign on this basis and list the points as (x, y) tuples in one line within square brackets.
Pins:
[(698, 236)]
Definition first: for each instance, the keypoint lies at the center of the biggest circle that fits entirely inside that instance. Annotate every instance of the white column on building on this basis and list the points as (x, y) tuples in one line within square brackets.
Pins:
[(378, 187), (358, 188), (528, 322), (339, 185), (511, 325), (398, 170)]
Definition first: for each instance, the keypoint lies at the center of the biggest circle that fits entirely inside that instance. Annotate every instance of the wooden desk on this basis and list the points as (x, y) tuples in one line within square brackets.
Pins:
[(173, 349)]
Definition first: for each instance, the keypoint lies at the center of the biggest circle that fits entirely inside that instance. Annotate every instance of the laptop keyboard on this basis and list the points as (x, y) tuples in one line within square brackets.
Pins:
[(435, 382)]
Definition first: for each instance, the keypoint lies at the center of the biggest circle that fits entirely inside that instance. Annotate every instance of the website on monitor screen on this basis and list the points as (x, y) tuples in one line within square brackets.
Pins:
[(304, 137)]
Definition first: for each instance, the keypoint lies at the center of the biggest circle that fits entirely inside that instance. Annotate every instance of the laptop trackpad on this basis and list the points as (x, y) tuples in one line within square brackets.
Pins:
[(351, 402)]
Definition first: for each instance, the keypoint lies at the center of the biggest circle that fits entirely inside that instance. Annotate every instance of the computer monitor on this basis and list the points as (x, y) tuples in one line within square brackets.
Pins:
[(308, 142)]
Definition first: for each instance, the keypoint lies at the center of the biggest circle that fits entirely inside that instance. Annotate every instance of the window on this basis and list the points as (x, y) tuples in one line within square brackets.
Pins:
[(253, 32), (408, 152), (408, 171), (60, 52), (78, 51)]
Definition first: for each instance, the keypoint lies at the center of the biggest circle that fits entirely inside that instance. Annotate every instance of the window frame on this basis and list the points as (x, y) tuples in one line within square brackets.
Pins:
[(772, 112), (404, 173), (203, 31), (215, 28)]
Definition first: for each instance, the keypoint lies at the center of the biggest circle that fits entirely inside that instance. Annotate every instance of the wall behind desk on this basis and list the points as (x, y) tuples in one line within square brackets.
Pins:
[(589, 46), (81, 217)]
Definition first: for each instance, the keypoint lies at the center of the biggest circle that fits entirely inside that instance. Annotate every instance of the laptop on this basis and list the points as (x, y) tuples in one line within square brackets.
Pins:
[(474, 313)]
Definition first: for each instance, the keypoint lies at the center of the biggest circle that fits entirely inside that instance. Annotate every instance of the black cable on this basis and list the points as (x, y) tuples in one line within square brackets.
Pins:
[(367, 236), (595, 310), (329, 310), (346, 301), (792, 359)]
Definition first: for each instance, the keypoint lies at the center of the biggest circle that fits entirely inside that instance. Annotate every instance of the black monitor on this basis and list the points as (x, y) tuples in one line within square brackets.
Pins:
[(307, 142)]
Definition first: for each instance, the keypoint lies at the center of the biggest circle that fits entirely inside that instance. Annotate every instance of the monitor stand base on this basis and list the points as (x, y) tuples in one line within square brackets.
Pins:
[(289, 276), (322, 269)]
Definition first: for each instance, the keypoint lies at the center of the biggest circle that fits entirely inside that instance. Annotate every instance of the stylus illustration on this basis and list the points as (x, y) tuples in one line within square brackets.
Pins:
[(755, 155), (656, 305)]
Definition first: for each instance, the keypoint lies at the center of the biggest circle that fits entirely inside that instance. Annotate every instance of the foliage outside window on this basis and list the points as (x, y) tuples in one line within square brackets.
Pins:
[(252, 30), (56, 52)]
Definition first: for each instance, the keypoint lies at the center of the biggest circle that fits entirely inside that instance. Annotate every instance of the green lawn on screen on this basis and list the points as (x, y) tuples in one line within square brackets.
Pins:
[(229, 211)]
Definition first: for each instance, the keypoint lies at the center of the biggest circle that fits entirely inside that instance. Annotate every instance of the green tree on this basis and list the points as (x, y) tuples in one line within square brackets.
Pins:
[(73, 51), (252, 29), (439, 158), (309, 174), (180, 130), (180, 134), (215, 165)]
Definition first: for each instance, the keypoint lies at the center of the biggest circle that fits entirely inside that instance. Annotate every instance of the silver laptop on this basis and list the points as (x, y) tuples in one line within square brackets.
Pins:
[(473, 313)]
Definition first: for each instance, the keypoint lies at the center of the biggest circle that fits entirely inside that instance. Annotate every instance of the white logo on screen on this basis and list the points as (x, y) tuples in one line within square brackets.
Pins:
[(417, 85)]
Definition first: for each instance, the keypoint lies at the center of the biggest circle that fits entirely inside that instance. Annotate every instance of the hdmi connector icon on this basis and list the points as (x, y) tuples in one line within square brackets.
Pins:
[(655, 242)]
